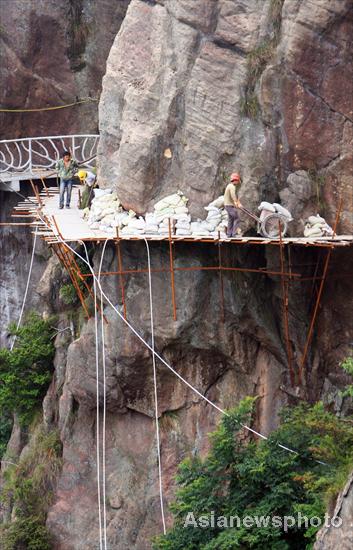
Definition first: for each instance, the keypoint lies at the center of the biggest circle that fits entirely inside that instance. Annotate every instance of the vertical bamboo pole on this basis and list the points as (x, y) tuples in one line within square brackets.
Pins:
[(120, 271), (318, 298), (284, 285), (171, 268), (221, 277)]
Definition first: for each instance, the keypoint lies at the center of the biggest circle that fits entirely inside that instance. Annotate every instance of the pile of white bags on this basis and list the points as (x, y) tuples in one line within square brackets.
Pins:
[(266, 208), (215, 222), (106, 212), (317, 227), (174, 208)]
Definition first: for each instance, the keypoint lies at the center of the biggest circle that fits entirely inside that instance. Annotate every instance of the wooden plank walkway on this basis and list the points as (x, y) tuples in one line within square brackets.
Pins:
[(71, 227)]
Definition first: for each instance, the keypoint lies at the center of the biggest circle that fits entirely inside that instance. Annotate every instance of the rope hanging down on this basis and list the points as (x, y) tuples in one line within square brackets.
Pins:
[(27, 287), (155, 389), (55, 108)]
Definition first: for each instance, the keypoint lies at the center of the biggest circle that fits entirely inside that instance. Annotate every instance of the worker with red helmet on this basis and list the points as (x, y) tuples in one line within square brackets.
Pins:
[(231, 204)]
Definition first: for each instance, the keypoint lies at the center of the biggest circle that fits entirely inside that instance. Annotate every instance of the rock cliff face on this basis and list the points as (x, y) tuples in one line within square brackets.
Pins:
[(53, 52), (196, 73), (223, 84)]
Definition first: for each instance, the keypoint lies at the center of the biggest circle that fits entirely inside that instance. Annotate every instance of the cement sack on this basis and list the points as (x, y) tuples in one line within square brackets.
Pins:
[(175, 200), (264, 213), (137, 223), (267, 206), (101, 192), (181, 210), (218, 203), (283, 211), (183, 232), (312, 231), (315, 219), (210, 208)]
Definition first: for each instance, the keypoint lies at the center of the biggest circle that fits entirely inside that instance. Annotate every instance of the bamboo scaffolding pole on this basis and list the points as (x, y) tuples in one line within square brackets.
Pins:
[(284, 285), (318, 299), (171, 266), (221, 278), (120, 267)]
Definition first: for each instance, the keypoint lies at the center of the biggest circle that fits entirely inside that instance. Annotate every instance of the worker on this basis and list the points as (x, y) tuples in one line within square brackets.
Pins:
[(231, 204), (88, 179), (66, 168)]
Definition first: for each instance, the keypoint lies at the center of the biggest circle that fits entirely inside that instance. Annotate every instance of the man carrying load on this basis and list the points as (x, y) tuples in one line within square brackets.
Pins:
[(88, 179), (231, 204)]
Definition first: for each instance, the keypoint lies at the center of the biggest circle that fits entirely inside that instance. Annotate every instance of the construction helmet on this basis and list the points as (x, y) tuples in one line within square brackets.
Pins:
[(235, 177), (82, 174)]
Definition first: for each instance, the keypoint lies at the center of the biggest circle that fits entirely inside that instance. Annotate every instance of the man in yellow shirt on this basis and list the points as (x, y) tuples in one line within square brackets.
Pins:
[(231, 204)]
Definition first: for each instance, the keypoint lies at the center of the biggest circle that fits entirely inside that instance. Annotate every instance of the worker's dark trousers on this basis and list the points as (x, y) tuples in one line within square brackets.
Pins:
[(65, 185), (233, 221)]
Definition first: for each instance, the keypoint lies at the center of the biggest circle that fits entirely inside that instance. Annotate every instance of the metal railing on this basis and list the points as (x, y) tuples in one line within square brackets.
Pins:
[(30, 155)]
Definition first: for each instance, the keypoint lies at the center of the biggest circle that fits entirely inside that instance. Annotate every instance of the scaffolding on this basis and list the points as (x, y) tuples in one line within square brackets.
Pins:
[(53, 230)]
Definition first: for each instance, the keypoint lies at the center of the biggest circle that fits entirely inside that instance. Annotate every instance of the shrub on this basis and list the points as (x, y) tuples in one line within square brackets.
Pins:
[(25, 372), (347, 365), (244, 478), (29, 489)]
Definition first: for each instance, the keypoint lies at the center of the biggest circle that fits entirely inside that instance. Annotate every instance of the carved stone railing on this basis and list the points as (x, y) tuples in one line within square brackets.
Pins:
[(30, 155)]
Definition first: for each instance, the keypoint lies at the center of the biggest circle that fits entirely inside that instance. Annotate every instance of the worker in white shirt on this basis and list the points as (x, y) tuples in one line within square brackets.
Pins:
[(88, 179)]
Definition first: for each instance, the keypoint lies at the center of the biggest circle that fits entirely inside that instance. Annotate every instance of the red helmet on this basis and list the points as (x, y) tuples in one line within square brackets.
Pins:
[(234, 177)]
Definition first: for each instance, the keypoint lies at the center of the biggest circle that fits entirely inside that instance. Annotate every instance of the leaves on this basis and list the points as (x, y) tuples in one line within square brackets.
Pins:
[(243, 478)]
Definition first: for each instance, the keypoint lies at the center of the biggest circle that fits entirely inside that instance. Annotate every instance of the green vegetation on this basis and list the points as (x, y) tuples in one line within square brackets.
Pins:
[(25, 372), (244, 478), (347, 365), (28, 490), (257, 60), (68, 293)]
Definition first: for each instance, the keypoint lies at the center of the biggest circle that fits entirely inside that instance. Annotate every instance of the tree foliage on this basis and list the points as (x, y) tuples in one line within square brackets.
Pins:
[(26, 371), (246, 478)]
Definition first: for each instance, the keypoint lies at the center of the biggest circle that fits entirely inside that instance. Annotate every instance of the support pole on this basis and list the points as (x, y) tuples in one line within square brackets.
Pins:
[(284, 284), (318, 298), (221, 277), (120, 271), (45, 187), (171, 268)]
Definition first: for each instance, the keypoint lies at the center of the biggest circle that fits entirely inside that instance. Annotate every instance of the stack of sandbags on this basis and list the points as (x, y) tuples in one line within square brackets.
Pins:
[(105, 206), (215, 222), (266, 208), (316, 226), (151, 224), (135, 226), (174, 208), (182, 226)]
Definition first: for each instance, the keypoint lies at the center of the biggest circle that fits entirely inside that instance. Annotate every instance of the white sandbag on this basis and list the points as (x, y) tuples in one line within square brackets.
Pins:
[(137, 223), (210, 208), (312, 231), (101, 192), (315, 219), (218, 203), (267, 206), (264, 213), (283, 211), (181, 210), (174, 200), (183, 232)]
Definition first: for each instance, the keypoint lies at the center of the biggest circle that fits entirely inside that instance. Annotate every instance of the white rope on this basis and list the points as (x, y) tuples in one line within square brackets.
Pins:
[(27, 287), (104, 404), (97, 400), (155, 389)]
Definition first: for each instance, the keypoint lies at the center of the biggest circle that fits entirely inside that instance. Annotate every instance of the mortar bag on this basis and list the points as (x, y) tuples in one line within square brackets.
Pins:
[(218, 203), (312, 232), (172, 200), (264, 213), (314, 219), (181, 210), (101, 192), (183, 232), (283, 211), (268, 206), (210, 208)]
